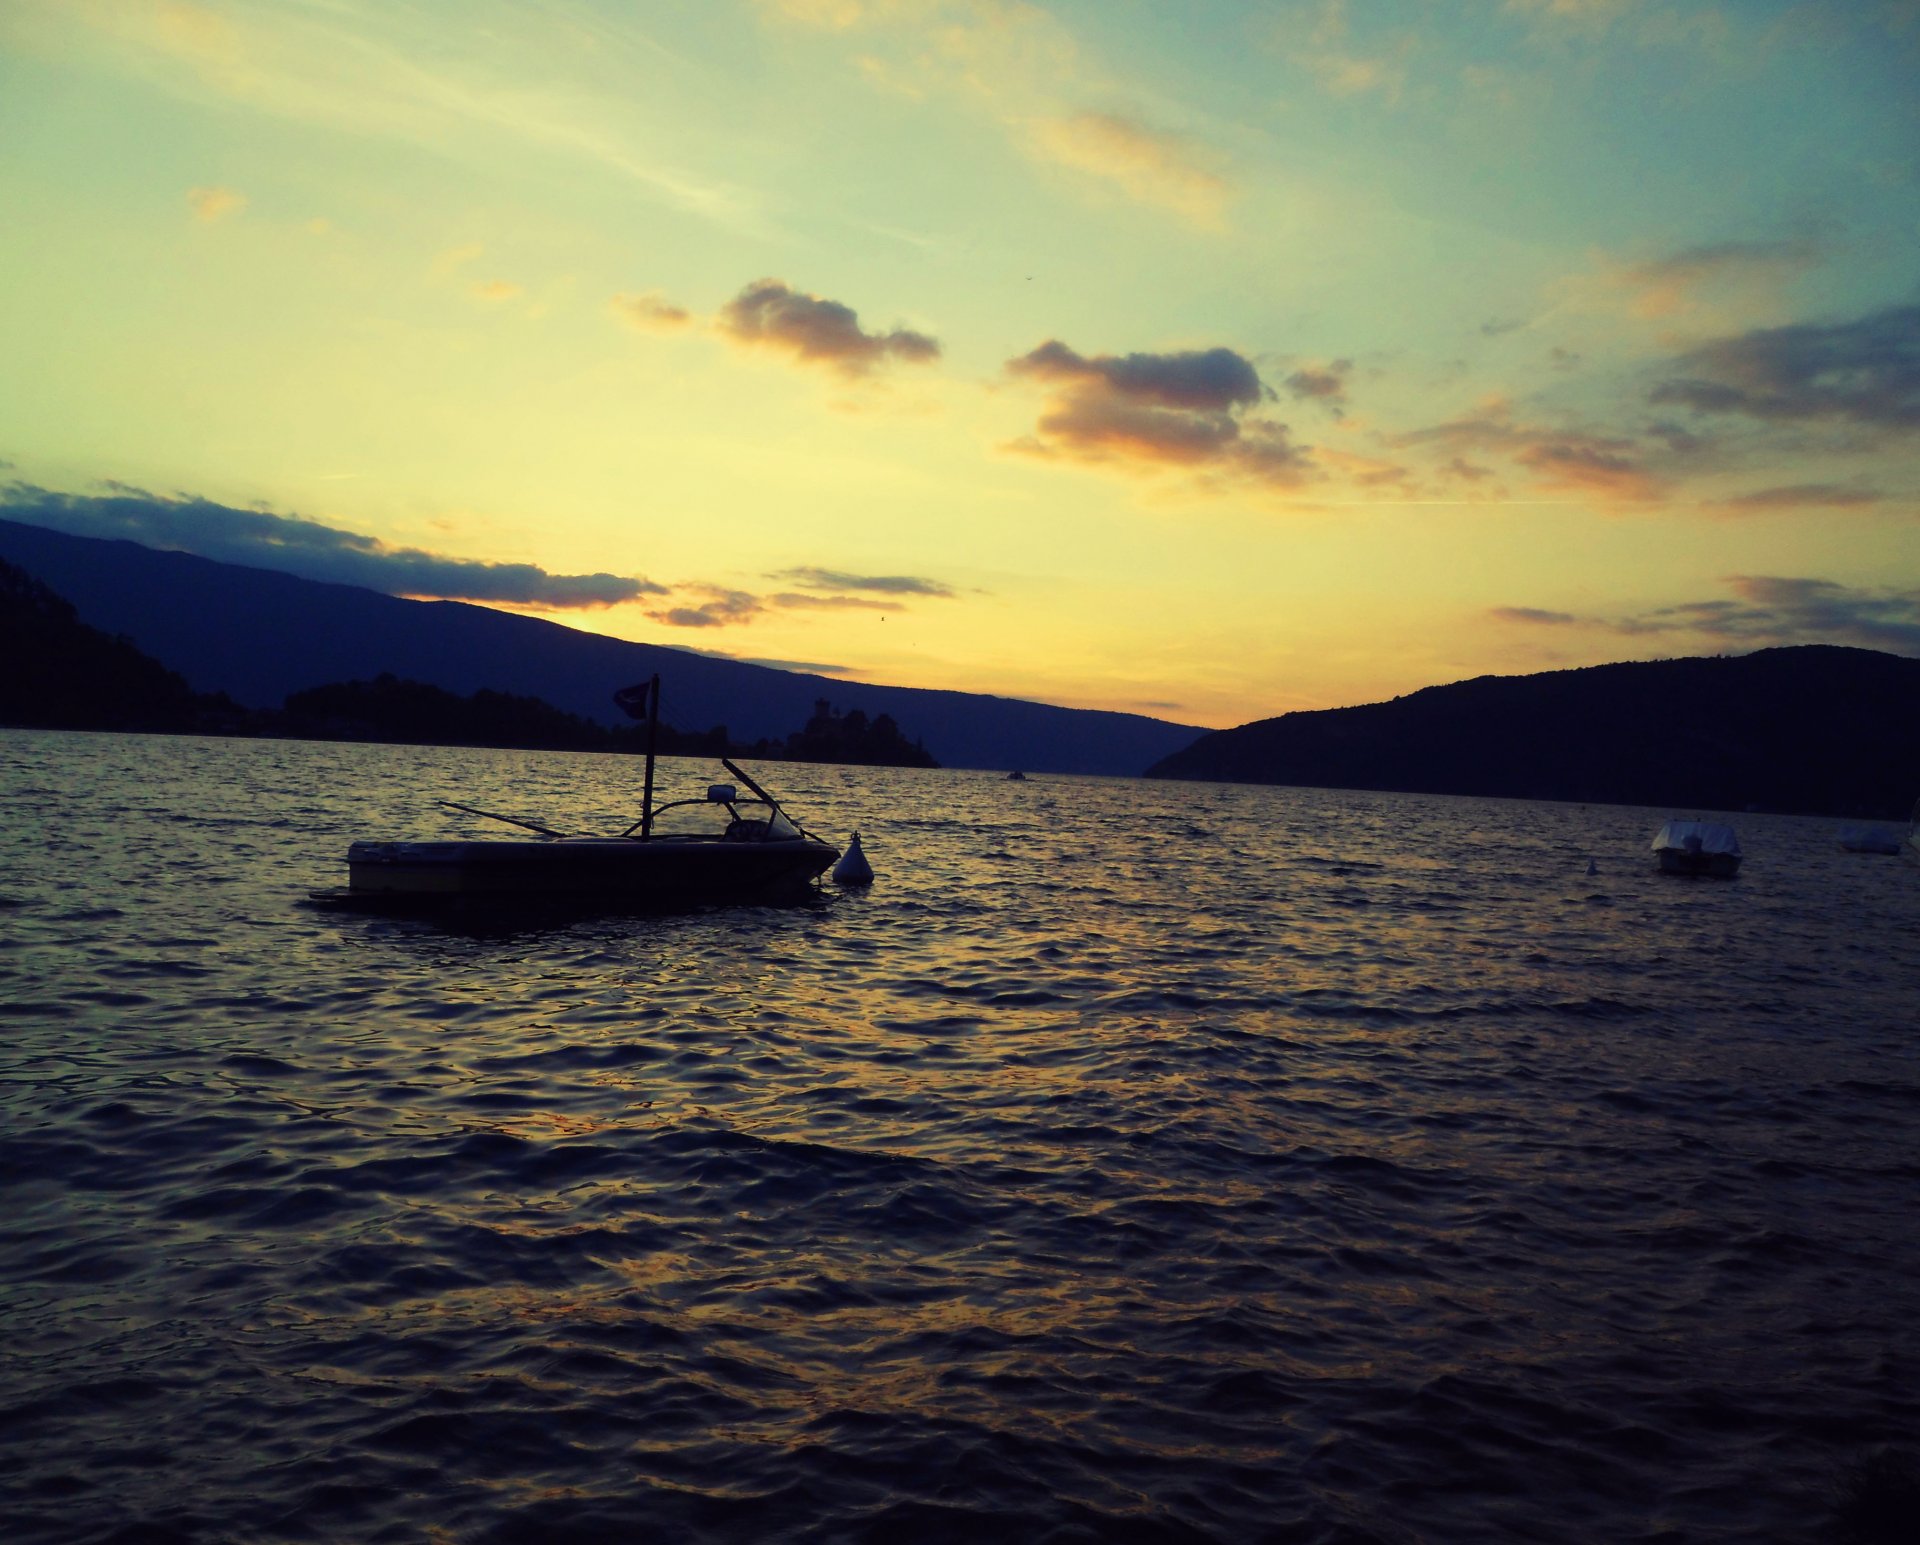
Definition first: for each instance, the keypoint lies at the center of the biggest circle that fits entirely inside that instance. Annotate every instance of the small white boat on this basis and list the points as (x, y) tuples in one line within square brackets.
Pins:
[(1697, 847), (1869, 839), (722, 846)]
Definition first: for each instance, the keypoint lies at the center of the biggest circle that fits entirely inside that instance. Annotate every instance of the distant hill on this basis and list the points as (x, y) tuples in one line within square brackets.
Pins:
[(1816, 729), (259, 636), (62, 674)]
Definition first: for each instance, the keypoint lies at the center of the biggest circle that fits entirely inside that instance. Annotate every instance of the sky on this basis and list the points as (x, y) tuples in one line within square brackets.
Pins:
[(1212, 360)]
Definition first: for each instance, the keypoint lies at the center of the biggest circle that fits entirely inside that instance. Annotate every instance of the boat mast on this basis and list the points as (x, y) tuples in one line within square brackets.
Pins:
[(653, 735)]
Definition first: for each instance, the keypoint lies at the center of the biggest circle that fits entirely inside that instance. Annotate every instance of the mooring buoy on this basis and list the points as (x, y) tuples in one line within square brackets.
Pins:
[(853, 868)]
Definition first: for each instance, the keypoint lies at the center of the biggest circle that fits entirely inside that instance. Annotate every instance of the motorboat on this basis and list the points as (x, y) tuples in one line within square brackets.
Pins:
[(1697, 847), (721, 846), (1870, 839)]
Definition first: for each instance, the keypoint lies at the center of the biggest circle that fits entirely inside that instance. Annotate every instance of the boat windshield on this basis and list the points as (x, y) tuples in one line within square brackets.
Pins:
[(743, 819)]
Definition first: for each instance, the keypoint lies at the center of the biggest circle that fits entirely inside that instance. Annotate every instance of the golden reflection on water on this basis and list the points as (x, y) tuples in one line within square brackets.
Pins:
[(1140, 1122)]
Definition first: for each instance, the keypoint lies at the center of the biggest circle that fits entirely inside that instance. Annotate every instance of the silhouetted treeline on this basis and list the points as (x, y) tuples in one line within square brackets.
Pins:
[(58, 673), (390, 709), (852, 737), (1814, 729)]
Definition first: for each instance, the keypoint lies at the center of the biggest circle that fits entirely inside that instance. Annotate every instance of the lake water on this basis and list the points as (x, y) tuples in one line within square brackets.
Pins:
[(1136, 1161)]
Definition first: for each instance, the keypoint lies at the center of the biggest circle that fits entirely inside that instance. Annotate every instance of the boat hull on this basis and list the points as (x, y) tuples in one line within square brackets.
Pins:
[(667, 871), (1718, 866)]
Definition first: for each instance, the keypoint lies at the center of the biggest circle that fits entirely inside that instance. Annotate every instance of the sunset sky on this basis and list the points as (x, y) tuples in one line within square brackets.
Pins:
[(1207, 360)]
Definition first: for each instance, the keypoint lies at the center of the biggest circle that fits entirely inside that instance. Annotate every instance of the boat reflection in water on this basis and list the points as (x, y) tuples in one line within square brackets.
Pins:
[(722, 846)]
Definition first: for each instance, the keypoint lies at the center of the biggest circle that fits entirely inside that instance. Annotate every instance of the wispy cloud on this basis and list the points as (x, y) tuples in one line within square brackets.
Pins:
[(1603, 466), (1020, 66), (650, 312), (809, 601), (1325, 384), (811, 578), (1344, 69), (702, 605), (449, 263), (308, 548), (1668, 286), (770, 315), (1533, 616), (497, 291), (210, 205), (1150, 165), (1587, 12), (1799, 496), (385, 72)]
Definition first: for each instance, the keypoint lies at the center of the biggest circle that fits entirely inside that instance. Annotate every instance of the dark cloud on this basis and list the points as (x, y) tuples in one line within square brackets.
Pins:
[(1193, 381), (811, 578), (709, 606), (1769, 610), (1327, 384), (307, 548), (1155, 410), (1864, 372), (770, 314), (1532, 614), (1799, 496)]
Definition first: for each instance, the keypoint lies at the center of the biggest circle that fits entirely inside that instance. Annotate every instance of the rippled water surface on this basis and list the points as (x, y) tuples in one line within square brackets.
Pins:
[(1134, 1162)]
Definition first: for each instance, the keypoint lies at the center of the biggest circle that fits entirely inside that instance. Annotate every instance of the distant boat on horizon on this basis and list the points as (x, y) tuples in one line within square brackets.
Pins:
[(1697, 848), (1870, 839)]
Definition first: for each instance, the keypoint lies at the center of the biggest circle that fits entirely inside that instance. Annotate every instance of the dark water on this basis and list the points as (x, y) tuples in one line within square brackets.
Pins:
[(1136, 1162)]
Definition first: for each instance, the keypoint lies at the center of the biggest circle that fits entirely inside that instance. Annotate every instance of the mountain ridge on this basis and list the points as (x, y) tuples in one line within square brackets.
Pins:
[(259, 635), (1810, 728)]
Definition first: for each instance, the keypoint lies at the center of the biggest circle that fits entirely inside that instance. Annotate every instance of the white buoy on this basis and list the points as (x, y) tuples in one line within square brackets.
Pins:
[(853, 868)]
